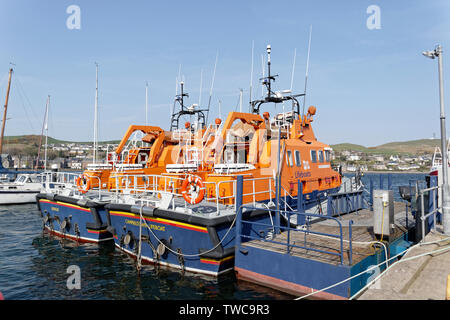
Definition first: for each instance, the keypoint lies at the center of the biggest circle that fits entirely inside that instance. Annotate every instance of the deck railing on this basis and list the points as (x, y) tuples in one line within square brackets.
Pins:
[(58, 181), (159, 185), (274, 227)]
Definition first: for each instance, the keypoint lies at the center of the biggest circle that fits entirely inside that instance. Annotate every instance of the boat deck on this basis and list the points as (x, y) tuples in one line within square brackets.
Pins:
[(362, 235)]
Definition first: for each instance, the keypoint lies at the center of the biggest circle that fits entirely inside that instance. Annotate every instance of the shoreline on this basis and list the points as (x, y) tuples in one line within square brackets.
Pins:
[(389, 171)]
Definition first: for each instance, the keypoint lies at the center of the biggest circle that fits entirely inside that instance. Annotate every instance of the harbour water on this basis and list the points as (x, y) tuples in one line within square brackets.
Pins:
[(34, 266)]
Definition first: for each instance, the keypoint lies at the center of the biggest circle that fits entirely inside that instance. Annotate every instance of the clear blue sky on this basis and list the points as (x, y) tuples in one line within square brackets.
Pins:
[(369, 86)]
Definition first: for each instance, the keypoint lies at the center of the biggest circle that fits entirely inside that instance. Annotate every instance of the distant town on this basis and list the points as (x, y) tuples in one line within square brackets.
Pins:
[(352, 161), (59, 156), (77, 156)]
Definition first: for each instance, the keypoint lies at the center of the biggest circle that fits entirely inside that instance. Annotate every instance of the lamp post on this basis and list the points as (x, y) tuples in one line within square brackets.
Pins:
[(437, 52)]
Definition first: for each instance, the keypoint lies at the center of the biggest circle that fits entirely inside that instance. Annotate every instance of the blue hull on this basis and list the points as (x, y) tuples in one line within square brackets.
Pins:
[(300, 276), (177, 240), (68, 218)]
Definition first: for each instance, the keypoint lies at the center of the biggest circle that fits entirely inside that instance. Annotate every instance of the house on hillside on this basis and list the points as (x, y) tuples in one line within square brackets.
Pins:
[(353, 157), (379, 166)]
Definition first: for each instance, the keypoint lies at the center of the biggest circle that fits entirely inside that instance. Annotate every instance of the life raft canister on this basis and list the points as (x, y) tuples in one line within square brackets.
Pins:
[(83, 183), (197, 189)]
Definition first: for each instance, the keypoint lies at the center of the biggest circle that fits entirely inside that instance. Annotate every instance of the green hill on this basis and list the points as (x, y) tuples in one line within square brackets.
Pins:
[(412, 147), (34, 139), (421, 146)]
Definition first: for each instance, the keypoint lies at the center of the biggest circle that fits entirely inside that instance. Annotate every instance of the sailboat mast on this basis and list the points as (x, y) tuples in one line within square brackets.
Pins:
[(5, 110), (42, 133), (94, 160), (46, 133)]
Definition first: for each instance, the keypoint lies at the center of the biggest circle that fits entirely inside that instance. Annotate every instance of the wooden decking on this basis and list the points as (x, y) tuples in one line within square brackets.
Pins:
[(362, 236)]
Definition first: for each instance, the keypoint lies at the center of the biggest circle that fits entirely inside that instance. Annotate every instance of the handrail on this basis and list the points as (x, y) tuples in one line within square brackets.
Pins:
[(436, 209), (128, 184), (306, 231)]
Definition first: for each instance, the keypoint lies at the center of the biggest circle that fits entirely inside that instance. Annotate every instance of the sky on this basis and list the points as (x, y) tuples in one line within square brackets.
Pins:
[(370, 86)]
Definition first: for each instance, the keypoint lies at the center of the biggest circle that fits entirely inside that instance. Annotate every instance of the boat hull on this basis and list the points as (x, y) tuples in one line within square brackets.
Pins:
[(82, 221), (17, 197), (179, 241)]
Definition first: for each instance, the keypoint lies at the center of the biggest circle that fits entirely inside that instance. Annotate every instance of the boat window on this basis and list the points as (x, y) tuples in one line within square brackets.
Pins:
[(298, 162), (289, 160), (327, 155), (320, 156), (313, 156)]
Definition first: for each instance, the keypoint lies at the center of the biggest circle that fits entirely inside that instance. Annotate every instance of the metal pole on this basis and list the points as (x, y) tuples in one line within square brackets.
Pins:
[(46, 133), (445, 188), (278, 187), (371, 194), (350, 243), (146, 103), (94, 160), (422, 216), (238, 203), (300, 211), (5, 110)]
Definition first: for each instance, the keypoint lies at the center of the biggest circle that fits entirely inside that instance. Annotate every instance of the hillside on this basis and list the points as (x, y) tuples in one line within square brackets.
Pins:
[(34, 139), (402, 147), (27, 143)]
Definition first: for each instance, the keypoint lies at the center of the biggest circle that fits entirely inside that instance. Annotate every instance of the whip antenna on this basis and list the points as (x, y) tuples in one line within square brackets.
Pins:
[(251, 73), (212, 86), (307, 67), (293, 68)]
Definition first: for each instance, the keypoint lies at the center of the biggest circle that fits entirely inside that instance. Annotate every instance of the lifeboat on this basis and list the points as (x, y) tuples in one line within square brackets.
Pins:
[(262, 149)]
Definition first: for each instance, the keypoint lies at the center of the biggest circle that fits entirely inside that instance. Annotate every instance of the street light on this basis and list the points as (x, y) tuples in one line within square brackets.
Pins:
[(437, 52)]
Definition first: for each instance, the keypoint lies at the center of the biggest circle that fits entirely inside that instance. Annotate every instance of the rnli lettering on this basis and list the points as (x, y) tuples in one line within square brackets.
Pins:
[(55, 209), (300, 174), (152, 226)]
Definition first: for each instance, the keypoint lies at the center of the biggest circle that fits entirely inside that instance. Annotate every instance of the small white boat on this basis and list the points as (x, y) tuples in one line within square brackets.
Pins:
[(22, 190), (436, 163)]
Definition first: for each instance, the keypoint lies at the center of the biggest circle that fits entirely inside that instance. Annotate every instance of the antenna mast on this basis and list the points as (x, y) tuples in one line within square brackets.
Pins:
[(251, 73), (240, 99), (273, 97), (307, 67), (212, 85), (94, 160), (293, 69), (146, 103), (5, 110), (201, 85)]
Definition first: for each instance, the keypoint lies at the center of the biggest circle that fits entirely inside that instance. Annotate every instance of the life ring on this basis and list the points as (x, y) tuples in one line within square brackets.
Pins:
[(83, 188), (199, 189), (142, 158)]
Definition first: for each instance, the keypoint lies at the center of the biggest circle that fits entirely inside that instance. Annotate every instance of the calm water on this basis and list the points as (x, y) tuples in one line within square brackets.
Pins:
[(33, 265)]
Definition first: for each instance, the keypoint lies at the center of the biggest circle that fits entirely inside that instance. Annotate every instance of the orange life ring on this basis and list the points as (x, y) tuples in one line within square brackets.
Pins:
[(83, 188), (197, 183)]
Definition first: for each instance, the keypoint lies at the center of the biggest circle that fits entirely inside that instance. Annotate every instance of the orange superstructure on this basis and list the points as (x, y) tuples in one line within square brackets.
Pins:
[(260, 148), (201, 163)]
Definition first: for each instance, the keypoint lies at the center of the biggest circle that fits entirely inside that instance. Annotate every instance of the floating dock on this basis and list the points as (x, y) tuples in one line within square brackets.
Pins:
[(332, 257)]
